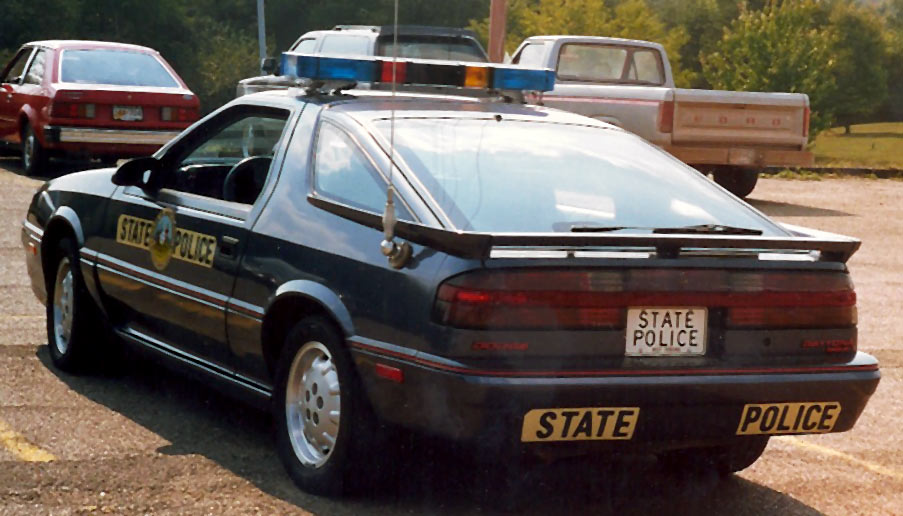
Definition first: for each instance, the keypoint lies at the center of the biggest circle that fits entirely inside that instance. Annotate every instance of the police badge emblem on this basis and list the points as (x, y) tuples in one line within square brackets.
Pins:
[(163, 238)]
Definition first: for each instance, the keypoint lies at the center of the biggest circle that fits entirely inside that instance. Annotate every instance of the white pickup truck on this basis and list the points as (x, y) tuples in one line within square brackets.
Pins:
[(628, 83)]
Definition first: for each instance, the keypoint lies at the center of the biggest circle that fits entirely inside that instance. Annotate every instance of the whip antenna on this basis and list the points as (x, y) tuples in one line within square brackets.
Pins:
[(398, 255)]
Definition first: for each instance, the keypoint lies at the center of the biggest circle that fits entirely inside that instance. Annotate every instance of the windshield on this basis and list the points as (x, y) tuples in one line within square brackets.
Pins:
[(433, 47), (116, 67), (518, 176)]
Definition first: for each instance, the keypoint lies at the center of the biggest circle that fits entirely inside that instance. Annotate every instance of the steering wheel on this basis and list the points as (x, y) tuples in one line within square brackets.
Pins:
[(245, 180)]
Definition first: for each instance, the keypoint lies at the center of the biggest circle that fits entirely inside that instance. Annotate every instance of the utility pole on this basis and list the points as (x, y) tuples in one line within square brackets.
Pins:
[(261, 31), (497, 13)]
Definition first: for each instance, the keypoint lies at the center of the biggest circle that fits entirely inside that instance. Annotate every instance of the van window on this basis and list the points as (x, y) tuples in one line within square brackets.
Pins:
[(340, 44)]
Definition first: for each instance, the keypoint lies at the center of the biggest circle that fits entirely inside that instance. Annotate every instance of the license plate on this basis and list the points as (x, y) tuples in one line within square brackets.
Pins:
[(580, 424), (128, 113), (666, 331), (789, 418)]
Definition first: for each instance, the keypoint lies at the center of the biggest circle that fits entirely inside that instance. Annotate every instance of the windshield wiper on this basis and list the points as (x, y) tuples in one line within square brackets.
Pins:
[(601, 229), (698, 229), (708, 229)]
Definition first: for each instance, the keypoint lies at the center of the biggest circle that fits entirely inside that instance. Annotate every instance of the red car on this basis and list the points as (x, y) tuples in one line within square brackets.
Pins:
[(90, 99)]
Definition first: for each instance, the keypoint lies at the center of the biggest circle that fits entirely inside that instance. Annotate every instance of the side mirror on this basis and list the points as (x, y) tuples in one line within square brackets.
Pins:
[(137, 172), (268, 65)]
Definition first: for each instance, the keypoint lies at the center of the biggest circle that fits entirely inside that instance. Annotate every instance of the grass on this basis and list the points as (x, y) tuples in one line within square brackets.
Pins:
[(867, 146), (800, 175)]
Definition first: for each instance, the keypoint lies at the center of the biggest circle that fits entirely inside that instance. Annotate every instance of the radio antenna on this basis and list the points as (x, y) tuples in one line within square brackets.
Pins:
[(398, 255)]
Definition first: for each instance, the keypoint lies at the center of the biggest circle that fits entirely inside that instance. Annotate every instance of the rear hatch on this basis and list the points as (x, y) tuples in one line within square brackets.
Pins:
[(122, 107), (556, 320), (719, 117)]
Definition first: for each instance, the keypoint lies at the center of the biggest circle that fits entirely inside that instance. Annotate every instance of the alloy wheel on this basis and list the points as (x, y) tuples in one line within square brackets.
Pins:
[(313, 404)]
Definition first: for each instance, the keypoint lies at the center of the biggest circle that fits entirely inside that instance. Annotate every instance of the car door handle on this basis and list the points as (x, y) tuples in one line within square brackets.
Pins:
[(227, 245)]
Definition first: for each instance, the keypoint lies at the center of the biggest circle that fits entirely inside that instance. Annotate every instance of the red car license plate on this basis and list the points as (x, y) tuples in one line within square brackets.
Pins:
[(128, 113)]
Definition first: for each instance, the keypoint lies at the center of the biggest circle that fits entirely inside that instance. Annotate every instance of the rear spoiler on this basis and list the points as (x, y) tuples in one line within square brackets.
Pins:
[(467, 244)]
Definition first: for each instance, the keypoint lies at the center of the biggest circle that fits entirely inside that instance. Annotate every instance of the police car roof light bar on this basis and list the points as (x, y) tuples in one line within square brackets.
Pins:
[(422, 72)]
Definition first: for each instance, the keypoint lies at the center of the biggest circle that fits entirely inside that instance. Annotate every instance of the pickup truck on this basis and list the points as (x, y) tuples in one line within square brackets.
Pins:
[(629, 84)]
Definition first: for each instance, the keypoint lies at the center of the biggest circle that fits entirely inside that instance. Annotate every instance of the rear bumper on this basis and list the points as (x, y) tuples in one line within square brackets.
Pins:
[(675, 409), (63, 135), (742, 156)]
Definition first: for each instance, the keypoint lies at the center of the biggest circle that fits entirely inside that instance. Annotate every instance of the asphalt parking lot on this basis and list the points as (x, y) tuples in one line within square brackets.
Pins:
[(146, 441)]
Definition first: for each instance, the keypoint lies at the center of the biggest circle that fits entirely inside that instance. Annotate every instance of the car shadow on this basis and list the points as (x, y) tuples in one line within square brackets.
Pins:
[(425, 477), (784, 209), (53, 169)]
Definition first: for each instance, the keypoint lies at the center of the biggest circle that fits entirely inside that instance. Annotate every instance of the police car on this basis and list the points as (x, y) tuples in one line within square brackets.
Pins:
[(504, 275)]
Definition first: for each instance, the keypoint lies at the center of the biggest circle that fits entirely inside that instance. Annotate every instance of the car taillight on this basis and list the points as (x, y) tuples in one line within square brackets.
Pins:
[(178, 114), (666, 116), (73, 110), (806, 114), (567, 299)]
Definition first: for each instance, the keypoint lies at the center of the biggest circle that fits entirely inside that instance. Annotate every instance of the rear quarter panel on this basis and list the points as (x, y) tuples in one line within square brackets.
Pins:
[(634, 108)]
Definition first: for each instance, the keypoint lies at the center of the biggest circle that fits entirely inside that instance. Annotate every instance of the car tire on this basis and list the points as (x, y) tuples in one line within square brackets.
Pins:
[(34, 158), (323, 423), (738, 181), (74, 323), (723, 460)]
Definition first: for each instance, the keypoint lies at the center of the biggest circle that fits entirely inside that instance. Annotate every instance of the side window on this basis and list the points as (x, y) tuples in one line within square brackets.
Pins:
[(16, 68), (36, 71), (344, 174), (646, 67), (531, 56), (233, 162), (305, 46), (346, 45)]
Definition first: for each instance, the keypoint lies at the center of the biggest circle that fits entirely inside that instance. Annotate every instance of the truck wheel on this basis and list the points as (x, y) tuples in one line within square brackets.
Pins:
[(722, 459), (323, 424), (738, 181), (34, 158), (73, 319)]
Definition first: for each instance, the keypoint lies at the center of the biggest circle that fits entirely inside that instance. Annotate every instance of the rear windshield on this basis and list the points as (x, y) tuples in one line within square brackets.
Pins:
[(610, 63), (519, 176), (115, 67), (433, 47)]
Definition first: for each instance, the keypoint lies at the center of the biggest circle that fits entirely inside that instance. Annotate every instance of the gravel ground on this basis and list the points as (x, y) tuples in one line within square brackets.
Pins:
[(146, 441)]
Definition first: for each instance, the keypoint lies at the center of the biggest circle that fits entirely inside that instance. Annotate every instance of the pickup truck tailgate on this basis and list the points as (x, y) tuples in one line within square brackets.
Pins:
[(746, 118)]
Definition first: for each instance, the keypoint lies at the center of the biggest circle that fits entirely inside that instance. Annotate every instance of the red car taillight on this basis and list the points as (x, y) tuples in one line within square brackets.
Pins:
[(558, 299), (178, 114), (73, 110)]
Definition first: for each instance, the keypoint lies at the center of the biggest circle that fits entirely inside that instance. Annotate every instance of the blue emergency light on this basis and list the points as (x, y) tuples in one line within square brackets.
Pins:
[(417, 72)]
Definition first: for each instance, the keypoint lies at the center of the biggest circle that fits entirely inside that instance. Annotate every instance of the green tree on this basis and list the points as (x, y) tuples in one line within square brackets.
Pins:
[(224, 59), (783, 47), (860, 72), (627, 19), (703, 22), (892, 109)]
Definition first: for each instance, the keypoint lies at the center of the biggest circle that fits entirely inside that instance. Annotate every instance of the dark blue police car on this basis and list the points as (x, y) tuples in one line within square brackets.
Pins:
[(521, 279)]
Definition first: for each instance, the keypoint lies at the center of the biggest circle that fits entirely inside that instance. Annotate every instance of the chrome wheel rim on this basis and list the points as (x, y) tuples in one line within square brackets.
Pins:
[(63, 306), (313, 404), (29, 150)]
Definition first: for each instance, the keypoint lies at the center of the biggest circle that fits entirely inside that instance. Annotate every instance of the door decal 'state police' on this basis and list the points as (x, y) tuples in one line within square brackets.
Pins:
[(164, 240)]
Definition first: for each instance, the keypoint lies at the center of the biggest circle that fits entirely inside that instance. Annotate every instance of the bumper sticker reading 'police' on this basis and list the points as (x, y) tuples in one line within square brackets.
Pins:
[(789, 418)]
